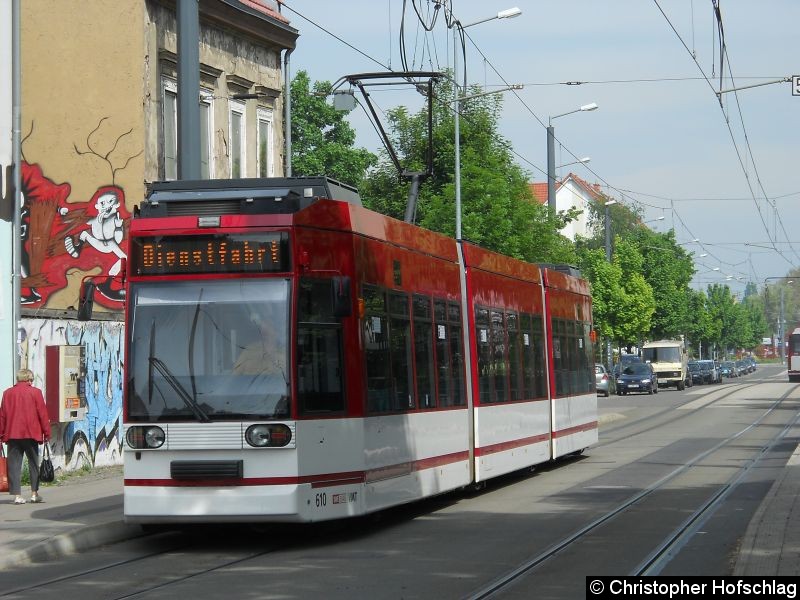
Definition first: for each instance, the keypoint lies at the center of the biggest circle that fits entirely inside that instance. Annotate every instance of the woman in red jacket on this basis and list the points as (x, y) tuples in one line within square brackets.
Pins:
[(23, 426)]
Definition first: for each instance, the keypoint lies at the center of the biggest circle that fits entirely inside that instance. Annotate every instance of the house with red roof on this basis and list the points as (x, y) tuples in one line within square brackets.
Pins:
[(571, 192)]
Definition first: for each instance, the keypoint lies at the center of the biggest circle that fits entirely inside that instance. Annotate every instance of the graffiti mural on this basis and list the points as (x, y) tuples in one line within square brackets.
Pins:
[(96, 440), (59, 235)]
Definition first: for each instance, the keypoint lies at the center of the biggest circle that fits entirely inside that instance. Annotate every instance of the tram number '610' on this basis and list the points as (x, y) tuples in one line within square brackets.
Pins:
[(321, 499)]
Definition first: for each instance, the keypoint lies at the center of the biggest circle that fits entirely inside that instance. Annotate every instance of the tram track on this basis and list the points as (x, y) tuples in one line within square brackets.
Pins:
[(671, 409), (665, 549), (141, 562)]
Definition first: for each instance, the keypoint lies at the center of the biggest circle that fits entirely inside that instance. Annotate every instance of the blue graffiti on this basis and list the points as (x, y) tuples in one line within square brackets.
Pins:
[(103, 347)]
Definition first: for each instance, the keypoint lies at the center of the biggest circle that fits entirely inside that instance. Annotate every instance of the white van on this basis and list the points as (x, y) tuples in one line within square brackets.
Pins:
[(669, 361)]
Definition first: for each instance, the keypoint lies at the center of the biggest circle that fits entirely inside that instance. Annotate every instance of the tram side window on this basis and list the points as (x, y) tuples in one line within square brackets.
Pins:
[(444, 364), (587, 360), (528, 357), (376, 350), (400, 350), (500, 366), (570, 364), (449, 354), (455, 332), (539, 354), (572, 357), (514, 358), (485, 364), (319, 349), (560, 357), (423, 351)]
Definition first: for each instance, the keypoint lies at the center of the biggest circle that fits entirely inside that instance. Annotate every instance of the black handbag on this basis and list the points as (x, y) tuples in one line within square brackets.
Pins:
[(47, 474)]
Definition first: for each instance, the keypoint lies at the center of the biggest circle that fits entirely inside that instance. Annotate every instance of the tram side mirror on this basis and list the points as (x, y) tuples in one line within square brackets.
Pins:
[(86, 300), (342, 298)]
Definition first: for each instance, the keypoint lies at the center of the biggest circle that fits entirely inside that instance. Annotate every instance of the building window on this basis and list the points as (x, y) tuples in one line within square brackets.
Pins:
[(237, 137), (170, 128), (264, 143)]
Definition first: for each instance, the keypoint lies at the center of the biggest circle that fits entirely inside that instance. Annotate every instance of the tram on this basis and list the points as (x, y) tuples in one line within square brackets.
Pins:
[(793, 354), (294, 357)]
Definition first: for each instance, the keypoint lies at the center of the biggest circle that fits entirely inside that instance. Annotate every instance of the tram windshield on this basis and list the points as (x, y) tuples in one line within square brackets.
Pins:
[(209, 350)]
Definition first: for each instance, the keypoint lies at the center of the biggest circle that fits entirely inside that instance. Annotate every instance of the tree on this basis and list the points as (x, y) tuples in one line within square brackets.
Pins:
[(668, 268), (623, 302), (498, 209), (702, 331), (322, 140)]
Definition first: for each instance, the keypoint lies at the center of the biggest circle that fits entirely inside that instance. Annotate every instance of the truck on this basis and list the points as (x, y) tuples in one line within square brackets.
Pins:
[(669, 361)]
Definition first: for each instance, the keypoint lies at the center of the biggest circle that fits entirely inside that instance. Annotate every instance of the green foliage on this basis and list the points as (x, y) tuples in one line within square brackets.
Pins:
[(668, 269), (322, 140), (498, 210), (623, 302)]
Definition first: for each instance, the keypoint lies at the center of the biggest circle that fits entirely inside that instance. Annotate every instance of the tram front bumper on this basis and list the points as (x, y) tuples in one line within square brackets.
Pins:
[(166, 504)]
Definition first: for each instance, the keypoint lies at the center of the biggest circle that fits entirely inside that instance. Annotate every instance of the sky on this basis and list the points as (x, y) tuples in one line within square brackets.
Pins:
[(725, 177)]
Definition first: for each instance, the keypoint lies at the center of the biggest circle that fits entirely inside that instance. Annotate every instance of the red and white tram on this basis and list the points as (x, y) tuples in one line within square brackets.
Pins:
[(384, 362), (793, 354)]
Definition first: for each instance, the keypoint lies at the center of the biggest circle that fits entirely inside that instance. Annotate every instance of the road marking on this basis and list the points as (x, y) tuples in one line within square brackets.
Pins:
[(794, 459)]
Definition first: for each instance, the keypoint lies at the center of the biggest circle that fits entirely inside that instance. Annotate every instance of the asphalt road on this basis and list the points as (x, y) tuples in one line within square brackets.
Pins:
[(659, 460)]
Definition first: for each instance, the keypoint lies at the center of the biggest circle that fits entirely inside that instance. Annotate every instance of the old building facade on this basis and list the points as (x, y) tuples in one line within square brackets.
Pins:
[(98, 122)]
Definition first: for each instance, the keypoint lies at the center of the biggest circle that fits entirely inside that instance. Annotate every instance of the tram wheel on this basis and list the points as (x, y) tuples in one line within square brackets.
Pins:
[(477, 486)]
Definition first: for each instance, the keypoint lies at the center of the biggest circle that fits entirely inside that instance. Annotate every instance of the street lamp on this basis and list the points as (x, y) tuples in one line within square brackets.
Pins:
[(580, 161), (608, 258), (457, 25), (608, 229), (781, 320), (551, 159)]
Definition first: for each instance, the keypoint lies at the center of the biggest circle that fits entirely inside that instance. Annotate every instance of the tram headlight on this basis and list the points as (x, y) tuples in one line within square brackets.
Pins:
[(145, 438), (272, 435)]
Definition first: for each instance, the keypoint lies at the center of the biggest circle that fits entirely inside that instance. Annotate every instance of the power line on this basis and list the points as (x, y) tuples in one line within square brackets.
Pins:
[(724, 57)]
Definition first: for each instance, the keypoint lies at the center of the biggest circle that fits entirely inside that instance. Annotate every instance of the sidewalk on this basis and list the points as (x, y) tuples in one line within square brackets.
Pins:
[(79, 512), (771, 545), (82, 512)]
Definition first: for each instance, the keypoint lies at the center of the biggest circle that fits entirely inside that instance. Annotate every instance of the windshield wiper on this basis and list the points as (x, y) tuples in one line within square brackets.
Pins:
[(179, 389), (150, 357)]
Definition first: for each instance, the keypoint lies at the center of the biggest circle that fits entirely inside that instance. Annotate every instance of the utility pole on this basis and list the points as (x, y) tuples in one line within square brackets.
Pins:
[(188, 20)]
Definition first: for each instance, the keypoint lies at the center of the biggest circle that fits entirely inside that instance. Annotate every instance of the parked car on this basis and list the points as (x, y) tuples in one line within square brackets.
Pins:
[(602, 380), (637, 377), (695, 373), (741, 368), (710, 370), (728, 369), (624, 360)]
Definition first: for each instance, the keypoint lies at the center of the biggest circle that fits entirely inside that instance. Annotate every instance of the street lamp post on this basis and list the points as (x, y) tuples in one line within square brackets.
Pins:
[(503, 14), (781, 320), (608, 258), (551, 153), (608, 229), (465, 331)]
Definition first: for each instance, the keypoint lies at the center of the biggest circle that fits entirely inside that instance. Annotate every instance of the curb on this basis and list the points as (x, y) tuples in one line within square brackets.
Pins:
[(72, 542)]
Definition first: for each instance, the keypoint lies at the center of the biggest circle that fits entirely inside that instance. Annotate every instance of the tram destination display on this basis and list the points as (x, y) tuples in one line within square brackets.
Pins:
[(222, 253)]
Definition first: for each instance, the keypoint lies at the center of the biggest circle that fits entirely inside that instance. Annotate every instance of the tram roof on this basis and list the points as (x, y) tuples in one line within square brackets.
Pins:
[(273, 195)]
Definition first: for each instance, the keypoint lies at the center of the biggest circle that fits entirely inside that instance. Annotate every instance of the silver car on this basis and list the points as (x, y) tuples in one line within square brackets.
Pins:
[(602, 379)]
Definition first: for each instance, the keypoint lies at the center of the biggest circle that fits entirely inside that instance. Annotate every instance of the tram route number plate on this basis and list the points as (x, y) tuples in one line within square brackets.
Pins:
[(796, 85)]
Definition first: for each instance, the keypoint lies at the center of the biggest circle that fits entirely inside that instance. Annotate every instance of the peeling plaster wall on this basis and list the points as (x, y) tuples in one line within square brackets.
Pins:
[(97, 440)]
